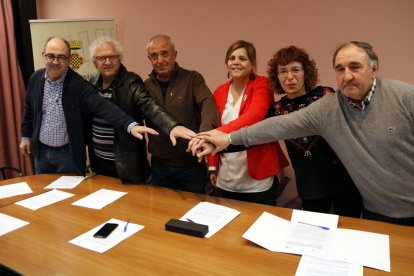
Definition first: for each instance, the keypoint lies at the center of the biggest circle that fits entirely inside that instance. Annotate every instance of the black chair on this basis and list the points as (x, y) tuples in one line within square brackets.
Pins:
[(8, 271), (10, 172)]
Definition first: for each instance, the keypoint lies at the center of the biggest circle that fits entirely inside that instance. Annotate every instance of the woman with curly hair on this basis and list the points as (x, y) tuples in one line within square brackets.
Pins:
[(321, 179)]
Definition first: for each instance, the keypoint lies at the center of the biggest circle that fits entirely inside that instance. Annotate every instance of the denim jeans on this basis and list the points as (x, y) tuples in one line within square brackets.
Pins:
[(186, 178), (54, 160)]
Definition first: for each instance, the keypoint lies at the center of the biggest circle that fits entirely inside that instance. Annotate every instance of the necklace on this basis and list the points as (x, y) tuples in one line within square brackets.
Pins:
[(303, 144), (237, 93)]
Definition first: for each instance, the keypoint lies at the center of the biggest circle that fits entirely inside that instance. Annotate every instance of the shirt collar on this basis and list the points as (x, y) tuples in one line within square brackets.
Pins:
[(59, 81), (367, 100), (99, 86)]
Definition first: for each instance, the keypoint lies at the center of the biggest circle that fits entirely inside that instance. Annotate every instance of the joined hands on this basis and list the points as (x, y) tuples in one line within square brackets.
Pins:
[(200, 145), (209, 142)]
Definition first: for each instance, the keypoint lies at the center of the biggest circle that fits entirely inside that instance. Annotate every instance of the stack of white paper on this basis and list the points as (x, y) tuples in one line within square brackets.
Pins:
[(214, 215), (320, 239)]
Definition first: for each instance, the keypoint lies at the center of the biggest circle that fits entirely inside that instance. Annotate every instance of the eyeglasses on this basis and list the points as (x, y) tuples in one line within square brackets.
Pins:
[(104, 58), (52, 57), (154, 56), (294, 71)]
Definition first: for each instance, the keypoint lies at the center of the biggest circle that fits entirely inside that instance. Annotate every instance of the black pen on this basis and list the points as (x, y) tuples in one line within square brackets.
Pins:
[(190, 220), (126, 225)]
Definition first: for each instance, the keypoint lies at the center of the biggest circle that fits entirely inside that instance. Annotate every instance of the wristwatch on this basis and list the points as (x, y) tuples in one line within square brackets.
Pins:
[(229, 138)]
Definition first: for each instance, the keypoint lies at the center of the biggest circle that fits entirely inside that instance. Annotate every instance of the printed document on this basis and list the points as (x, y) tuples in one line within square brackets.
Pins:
[(308, 239), (66, 182), (88, 241), (99, 199), (345, 245), (44, 199), (214, 215), (312, 266)]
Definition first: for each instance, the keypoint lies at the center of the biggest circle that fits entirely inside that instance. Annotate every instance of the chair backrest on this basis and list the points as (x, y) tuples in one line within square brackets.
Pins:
[(10, 172), (8, 271)]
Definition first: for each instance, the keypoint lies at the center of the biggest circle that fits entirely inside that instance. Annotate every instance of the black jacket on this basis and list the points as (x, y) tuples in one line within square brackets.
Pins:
[(80, 101), (132, 97)]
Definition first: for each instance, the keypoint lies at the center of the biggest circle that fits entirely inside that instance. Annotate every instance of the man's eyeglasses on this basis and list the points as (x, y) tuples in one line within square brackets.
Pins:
[(164, 54), (60, 58), (294, 71), (104, 58)]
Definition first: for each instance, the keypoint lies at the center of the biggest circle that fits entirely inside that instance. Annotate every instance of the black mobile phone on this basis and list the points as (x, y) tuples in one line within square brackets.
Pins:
[(105, 230)]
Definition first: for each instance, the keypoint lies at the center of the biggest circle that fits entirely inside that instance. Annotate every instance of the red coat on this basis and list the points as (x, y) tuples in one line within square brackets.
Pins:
[(263, 160)]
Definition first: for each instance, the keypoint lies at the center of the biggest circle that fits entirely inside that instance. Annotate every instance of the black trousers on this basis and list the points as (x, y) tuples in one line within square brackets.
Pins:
[(367, 214), (268, 197), (104, 167), (345, 204)]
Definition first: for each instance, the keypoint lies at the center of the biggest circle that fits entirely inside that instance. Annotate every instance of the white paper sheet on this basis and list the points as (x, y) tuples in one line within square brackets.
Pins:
[(308, 239), (10, 190), (66, 182), (312, 266), (358, 247), (314, 218), (280, 235), (44, 199), (100, 245), (214, 215), (8, 224), (99, 199), (267, 231)]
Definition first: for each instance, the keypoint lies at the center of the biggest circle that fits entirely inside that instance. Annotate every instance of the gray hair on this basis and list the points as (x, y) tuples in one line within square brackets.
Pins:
[(105, 40), (369, 50)]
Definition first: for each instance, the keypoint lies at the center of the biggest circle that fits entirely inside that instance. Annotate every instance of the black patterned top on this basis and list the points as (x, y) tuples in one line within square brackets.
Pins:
[(319, 173)]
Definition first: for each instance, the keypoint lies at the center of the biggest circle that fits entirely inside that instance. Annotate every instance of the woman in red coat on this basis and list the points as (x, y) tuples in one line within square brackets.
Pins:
[(244, 100)]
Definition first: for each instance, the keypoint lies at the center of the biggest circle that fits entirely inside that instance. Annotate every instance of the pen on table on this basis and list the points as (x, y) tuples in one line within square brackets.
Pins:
[(126, 225), (322, 227)]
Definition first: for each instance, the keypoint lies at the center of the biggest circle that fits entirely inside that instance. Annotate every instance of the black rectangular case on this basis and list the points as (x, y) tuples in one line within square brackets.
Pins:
[(186, 227)]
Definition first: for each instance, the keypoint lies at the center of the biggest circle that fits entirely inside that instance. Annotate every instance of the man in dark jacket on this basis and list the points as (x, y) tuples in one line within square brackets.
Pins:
[(113, 152), (59, 103), (184, 94)]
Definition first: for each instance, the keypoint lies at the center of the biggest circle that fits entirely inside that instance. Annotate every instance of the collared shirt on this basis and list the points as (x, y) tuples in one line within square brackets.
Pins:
[(365, 102), (53, 130)]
